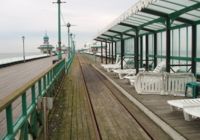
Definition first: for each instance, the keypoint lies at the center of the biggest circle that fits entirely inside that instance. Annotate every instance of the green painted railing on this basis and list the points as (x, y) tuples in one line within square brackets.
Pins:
[(30, 121)]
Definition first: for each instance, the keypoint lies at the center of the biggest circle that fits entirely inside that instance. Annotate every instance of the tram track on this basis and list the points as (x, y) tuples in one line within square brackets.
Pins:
[(87, 65), (93, 115)]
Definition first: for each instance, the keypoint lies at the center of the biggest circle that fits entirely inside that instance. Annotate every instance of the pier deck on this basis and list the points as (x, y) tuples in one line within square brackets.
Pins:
[(90, 107), (13, 77), (158, 105)]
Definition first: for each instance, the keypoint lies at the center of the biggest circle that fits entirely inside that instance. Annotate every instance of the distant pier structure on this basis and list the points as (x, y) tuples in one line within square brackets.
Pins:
[(46, 48)]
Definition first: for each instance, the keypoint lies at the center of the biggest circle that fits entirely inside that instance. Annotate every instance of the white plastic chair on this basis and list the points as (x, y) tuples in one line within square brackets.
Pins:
[(159, 68), (183, 103)]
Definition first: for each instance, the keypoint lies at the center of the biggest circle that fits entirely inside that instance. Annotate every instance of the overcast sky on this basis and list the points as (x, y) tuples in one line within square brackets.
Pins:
[(32, 18)]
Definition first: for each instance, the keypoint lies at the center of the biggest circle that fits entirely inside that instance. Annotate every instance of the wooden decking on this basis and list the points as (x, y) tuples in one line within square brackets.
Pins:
[(107, 118), (13, 77), (158, 105)]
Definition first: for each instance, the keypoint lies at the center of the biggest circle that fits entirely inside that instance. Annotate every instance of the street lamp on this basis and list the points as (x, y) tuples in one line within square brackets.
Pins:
[(59, 29), (23, 38)]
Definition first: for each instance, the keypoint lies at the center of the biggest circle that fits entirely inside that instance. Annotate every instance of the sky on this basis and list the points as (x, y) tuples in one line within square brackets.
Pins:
[(32, 18)]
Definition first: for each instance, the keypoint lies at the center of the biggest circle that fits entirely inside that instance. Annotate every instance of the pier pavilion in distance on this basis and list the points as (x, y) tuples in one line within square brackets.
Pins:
[(46, 48)]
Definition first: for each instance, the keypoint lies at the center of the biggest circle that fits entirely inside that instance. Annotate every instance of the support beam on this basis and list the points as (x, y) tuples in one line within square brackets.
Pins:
[(122, 51), (141, 51), (110, 36), (194, 47), (147, 53), (115, 50), (109, 51), (112, 52), (135, 27), (168, 46), (113, 31), (161, 15), (106, 52), (101, 52), (155, 50), (136, 51)]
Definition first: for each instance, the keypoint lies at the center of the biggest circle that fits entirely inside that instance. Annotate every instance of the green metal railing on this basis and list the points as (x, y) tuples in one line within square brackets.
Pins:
[(30, 122)]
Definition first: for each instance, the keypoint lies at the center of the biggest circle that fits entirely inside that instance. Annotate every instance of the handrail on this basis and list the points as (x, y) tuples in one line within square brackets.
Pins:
[(29, 118), (18, 92)]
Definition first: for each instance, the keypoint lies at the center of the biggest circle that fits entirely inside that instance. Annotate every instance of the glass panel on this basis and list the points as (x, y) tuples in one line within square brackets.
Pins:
[(189, 17), (148, 15), (156, 8), (129, 46), (182, 2), (169, 5)]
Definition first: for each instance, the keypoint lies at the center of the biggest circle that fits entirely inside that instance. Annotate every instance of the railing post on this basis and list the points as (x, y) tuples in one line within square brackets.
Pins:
[(24, 114), (9, 120), (40, 87)]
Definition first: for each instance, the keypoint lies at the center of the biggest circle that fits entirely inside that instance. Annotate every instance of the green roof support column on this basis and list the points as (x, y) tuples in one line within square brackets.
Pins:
[(101, 52), (106, 47), (194, 47), (155, 50), (136, 50), (112, 51), (109, 51), (141, 51), (122, 52), (115, 50), (168, 45), (147, 53)]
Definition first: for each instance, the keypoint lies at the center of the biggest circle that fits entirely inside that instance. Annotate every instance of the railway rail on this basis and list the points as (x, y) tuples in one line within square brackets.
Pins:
[(87, 68)]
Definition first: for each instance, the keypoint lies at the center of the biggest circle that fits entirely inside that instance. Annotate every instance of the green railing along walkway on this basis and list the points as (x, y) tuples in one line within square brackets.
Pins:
[(27, 103)]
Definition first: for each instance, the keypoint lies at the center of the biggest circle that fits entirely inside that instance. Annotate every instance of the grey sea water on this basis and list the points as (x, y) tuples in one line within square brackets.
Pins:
[(11, 55)]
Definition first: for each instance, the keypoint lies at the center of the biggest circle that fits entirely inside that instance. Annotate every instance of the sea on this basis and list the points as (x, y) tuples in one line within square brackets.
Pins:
[(12, 55), (6, 58)]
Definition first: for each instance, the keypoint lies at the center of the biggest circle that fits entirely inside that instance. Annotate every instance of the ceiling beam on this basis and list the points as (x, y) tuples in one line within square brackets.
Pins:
[(110, 36), (135, 27)]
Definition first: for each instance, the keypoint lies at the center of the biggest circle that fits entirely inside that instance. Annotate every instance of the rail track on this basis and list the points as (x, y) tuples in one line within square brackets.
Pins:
[(86, 67)]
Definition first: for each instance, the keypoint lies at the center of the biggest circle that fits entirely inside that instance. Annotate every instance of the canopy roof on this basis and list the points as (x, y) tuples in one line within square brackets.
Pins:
[(150, 16)]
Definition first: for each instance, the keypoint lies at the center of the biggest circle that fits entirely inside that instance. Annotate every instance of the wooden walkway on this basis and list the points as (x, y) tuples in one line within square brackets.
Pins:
[(13, 77), (108, 118)]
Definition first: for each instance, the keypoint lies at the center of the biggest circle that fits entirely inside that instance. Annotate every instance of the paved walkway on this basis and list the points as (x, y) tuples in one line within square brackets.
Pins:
[(13, 77)]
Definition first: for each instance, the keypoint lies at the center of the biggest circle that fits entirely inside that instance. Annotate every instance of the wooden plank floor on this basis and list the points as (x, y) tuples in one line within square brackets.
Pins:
[(13, 77), (73, 118), (158, 104)]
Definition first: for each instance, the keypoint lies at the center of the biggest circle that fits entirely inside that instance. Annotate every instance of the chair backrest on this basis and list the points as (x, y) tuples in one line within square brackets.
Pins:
[(160, 67), (117, 59), (176, 82), (163, 83), (149, 83)]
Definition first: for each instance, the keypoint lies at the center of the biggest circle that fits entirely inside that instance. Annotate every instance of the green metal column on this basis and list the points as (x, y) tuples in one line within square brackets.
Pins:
[(59, 31), (122, 51), (101, 52), (155, 50), (106, 47), (115, 50), (109, 51), (168, 46), (112, 51), (194, 47), (136, 50), (141, 51), (147, 53)]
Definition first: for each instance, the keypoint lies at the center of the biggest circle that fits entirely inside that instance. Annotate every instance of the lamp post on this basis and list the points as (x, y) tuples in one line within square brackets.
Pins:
[(68, 31), (23, 38), (59, 30)]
